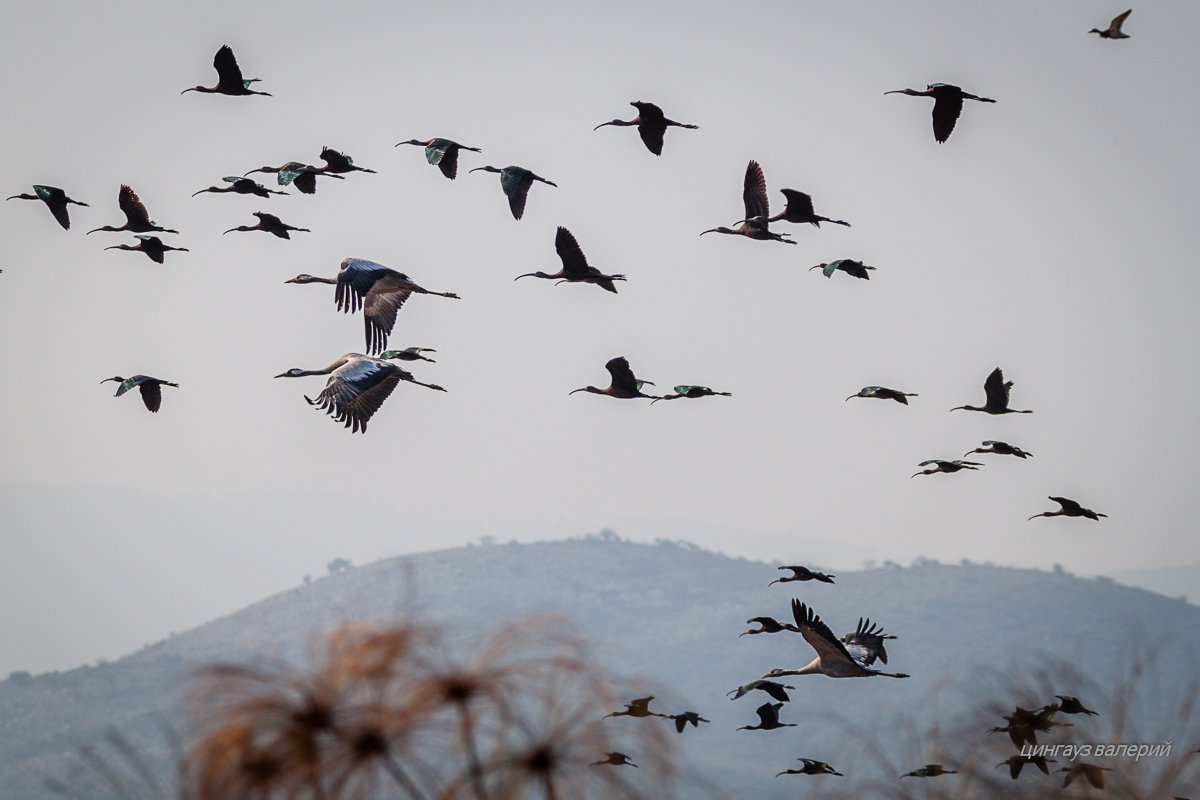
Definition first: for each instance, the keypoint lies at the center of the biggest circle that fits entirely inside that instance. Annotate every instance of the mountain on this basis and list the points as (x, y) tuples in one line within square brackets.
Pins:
[(1178, 581), (666, 618)]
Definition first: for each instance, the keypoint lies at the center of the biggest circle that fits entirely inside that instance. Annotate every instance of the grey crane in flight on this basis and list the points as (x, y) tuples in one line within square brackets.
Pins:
[(850, 657)]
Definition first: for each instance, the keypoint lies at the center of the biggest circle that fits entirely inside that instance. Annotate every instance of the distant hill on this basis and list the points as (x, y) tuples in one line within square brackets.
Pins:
[(667, 617), (1181, 581)]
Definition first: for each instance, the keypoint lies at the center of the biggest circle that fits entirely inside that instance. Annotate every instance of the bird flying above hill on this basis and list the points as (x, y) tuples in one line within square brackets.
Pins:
[(803, 574), (837, 658)]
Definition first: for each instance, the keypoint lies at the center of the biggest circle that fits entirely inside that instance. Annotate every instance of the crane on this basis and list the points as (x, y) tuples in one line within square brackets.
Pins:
[(294, 173), (799, 209), (754, 198), (515, 181), (947, 467), (150, 388), (623, 384), (575, 268), (996, 391), (849, 266), (772, 688), (229, 77), (947, 105), (850, 657), (443, 154), (803, 574), (1000, 449), (1069, 508), (378, 290), (651, 125), (241, 185), (811, 767), (55, 199), (338, 162), (357, 386), (768, 716), (152, 246), (884, 393), (137, 219), (1113, 31), (689, 391), (269, 223)]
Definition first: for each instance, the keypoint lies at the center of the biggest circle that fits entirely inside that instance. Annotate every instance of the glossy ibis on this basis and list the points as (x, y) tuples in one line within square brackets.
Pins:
[(575, 268), (229, 77), (947, 105), (1070, 508), (55, 199), (137, 219), (754, 198), (768, 716), (443, 154), (241, 185), (338, 162), (515, 181), (689, 391), (651, 125), (150, 388), (293, 173), (802, 574), (884, 393), (269, 223), (947, 467), (1000, 449), (996, 392), (849, 266), (152, 246), (623, 384)]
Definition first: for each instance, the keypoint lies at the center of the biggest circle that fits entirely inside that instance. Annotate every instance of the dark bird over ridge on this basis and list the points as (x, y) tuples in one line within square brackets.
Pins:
[(996, 391), (884, 393), (616, 758), (768, 625), (947, 105), (443, 154), (515, 181), (1113, 31), (1017, 762), (378, 290), (651, 125), (152, 246), (229, 77), (686, 390), (774, 689), (338, 162), (1000, 449), (1092, 773), (849, 266), (1071, 705), (947, 467), (137, 219), (55, 199), (799, 209), (241, 185), (1069, 508), (293, 173), (636, 708), (1024, 725), (768, 716), (575, 268), (623, 384), (811, 767), (269, 223), (802, 574), (407, 354), (150, 389), (357, 386), (837, 658), (754, 198), (929, 771), (682, 720)]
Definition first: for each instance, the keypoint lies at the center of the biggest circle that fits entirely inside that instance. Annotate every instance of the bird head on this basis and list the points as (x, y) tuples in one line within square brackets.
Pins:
[(294, 372), (116, 378), (303, 277), (486, 169)]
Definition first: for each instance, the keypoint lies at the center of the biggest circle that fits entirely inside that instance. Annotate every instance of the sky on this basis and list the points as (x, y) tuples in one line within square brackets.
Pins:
[(1048, 237)]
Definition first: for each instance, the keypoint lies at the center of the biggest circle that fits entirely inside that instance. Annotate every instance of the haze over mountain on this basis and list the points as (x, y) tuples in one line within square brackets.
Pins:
[(666, 619)]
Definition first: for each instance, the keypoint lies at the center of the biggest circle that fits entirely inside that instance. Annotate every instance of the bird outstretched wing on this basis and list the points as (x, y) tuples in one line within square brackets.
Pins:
[(754, 192), (575, 264), (229, 75), (817, 634), (356, 389), (622, 375), (132, 207)]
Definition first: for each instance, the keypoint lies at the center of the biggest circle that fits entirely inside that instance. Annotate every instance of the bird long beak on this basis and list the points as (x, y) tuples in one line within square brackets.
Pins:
[(526, 275), (853, 395), (602, 124), (710, 230), (231, 230), (251, 172), (282, 375), (185, 91), (113, 247)]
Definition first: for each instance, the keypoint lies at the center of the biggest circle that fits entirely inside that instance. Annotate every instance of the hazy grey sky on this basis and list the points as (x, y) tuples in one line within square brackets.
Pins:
[(1048, 236)]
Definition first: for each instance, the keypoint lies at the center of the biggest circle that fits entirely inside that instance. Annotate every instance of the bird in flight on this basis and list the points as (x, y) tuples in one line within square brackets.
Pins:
[(803, 574), (623, 384), (443, 154), (651, 125), (150, 388), (685, 390), (929, 771), (1069, 508), (269, 223), (55, 199), (1113, 31), (849, 266), (947, 105), (996, 391), (849, 657), (636, 708), (884, 393), (768, 716), (152, 246), (947, 467), (772, 688), (575, 268), (811, 767), (229, 77), (1000, 449), (515, 181), (754, 199), (241, 185), (137, 219)]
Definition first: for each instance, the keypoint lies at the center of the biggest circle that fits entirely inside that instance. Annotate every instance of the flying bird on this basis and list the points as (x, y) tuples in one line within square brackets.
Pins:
[(929, 771), (947, 467), (443, 154), (768, 715), (338, 162), (137, 219), (616, 758), (515, 181), (1000, 449), (996, 391), (685, 390), (884, 393), (357, 386), (802, 574), (837, 658), (241, 185), (229, 77), (269, 223), (774, 689), (1069, 508), (636, 708), (1024, 725), (378, 290), (294, 173), (55, 199), (623, 384), (408, 354), (150, 388), (1017, 762), (799, 209), (1092, 773), (754, 197), (811, 767), (849, 266), (651, 125), (947, 105), (768, 625), (152, 246), (575, 268), (682, 720), (1071, 705), (1113, 31)]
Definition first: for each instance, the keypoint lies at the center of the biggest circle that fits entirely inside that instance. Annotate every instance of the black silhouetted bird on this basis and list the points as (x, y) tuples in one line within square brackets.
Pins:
[(636, 708), (137, 219), (623, 385), (1017, 762), (339, 162), (1113, 31), (152, 246), (1000, 449), (269, 223), (768, 715), (945, 466), (294, 173), (686, 390), (884, 393), (803, 574), (1071, 705), (811, 767), (55, 199), (515, 181), (241, 185), (229, 77), (754, 199), (769, 625), (947, 105), (996, 390), (150, 388), (773, 688), (615, 758), (849, 266), (1070, 508), (575, 268), (651, 125), (682, 720), (443, 154), (799, 209), (409, 354), (929, 771)]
